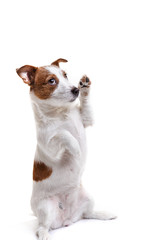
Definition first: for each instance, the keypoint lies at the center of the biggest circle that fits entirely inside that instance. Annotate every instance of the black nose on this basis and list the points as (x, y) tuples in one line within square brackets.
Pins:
[(75, 91)]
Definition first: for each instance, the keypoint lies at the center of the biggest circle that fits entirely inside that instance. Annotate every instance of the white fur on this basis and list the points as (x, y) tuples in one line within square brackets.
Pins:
[(61, 144)]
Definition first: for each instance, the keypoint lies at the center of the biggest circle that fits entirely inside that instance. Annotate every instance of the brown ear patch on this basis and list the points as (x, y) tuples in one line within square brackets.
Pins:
[(41, 171), (41, 87), (56, 63), (27, 73)]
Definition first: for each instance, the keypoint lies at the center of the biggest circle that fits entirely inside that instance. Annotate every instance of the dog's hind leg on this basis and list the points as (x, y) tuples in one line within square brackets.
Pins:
[(90, 213), (85, 108), (85, 208), (47, 212), (101, 215), (44, 214)]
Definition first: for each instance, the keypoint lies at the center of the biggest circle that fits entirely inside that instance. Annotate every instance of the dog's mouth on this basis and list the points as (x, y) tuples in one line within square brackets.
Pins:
[(73, 99)]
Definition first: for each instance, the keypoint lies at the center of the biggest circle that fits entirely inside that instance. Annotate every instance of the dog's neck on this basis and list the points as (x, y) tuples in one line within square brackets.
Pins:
[(46, 113)]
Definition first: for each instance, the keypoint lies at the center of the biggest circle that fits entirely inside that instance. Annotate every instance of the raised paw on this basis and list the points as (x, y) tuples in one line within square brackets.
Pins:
[(84, 82)]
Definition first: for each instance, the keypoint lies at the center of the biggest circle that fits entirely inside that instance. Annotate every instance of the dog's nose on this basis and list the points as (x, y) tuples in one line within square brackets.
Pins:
[(75, 91)]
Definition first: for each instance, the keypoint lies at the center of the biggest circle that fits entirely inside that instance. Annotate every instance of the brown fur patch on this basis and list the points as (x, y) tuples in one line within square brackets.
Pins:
[(56, 63), (41, 87), (41, 171), (64, 74), (83, 79), (85, 94), (30, 73)]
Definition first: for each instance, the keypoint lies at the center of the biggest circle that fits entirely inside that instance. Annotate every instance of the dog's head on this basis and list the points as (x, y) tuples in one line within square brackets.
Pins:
[(49, 83)]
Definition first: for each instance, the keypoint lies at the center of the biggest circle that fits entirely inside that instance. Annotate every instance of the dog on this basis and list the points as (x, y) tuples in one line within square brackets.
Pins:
[(58, 198)]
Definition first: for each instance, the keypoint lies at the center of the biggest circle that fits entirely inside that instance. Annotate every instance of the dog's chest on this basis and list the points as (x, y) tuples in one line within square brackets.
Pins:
[(75, 127), (71, 122)]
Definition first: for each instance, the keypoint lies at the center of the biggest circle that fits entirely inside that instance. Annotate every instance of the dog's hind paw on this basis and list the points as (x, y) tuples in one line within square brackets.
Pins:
[(101, 215), (42, 234)]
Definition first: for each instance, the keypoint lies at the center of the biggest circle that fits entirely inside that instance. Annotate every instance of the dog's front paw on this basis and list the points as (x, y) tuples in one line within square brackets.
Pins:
[(76, 151), (84, 85)]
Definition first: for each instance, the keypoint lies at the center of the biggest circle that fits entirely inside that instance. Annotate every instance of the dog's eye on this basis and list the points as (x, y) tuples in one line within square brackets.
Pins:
[(64, 74), (52, 81)]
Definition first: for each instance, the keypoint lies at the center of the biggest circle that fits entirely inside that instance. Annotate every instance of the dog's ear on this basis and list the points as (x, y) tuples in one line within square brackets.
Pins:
[(56, 63), (27, 73)]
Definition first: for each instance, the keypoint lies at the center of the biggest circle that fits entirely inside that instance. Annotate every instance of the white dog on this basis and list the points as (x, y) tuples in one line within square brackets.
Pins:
[(58, 198)]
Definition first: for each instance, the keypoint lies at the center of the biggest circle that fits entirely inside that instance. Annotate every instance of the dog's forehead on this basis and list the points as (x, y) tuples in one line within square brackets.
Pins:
[(53, 70)]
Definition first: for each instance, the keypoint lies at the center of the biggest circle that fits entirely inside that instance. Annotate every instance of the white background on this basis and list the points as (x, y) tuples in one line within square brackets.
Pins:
[(117, 44)]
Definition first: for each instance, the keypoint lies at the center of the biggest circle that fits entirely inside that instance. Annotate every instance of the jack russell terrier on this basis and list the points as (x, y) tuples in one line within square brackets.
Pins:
[(58, 198)]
